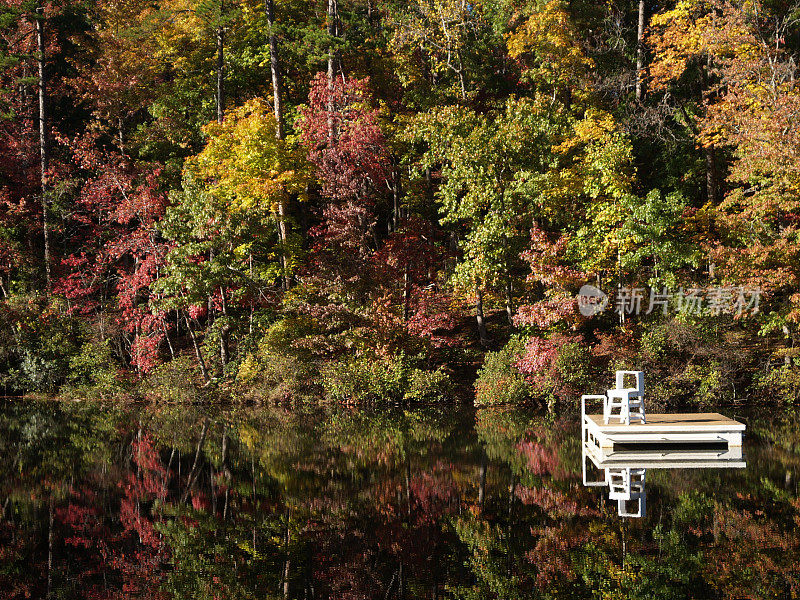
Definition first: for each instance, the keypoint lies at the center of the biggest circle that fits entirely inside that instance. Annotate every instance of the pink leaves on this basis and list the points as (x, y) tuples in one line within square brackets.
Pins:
[(433, 317), (344, 139)]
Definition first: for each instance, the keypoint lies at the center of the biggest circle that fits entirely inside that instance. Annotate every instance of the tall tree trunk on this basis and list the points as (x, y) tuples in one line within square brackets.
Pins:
[(224, 333), (277, 86), (509, 290), (43, 146), (396, 194), (332, 33), (709, 151), (282, 235), (275, 68), (221, 66), (197, 352), (479, 314), (640, 54), (166, 337), (711, 174), (406, 294)]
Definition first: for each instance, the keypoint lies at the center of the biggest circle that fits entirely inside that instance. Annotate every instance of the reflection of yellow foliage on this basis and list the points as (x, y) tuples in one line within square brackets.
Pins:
[(249, 437)]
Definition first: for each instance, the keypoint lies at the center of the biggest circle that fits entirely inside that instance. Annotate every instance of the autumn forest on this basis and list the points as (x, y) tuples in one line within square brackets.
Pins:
[(362, 201)]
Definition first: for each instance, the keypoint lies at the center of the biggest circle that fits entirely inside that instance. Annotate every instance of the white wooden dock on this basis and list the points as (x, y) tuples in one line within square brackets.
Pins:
[(700, 432), (661, 430), (625, 447)]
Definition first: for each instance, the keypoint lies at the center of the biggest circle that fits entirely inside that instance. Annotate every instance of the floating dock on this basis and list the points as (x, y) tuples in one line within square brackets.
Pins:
[(697, 436), (622, 454)]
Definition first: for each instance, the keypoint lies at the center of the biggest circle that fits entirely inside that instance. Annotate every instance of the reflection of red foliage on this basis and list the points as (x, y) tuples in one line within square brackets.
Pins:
[(553, 502), (752, 552), (551, 555), (200, 501), (140, 567), (541, 459), (434, 494)]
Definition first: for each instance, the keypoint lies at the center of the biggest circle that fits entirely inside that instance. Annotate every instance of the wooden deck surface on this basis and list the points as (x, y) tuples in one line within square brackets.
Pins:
[(677, 423)]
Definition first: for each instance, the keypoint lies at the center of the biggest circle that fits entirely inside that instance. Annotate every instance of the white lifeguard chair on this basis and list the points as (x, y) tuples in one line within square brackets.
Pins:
[(626, 485), (629, 400)]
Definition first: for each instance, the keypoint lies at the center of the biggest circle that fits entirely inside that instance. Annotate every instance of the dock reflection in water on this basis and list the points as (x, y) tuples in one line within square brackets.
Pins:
[(624, 472)]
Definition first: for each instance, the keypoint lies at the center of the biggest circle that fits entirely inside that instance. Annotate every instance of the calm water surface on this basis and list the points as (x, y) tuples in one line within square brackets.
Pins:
[(109, 501)]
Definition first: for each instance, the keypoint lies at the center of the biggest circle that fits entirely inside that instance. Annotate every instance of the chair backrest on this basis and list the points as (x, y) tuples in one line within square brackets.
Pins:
[(639, 375)]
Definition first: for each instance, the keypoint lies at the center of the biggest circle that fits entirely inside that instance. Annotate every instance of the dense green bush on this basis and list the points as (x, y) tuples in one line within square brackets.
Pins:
[(779, 383), (93, 372), (175, 381), (499, 381), (428, 385), (371, 378), (278, 369), (38, 346), (573, 367), (690, 360)]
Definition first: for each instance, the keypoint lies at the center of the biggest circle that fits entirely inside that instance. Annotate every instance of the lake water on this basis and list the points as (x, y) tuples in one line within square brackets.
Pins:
[(115, 501)]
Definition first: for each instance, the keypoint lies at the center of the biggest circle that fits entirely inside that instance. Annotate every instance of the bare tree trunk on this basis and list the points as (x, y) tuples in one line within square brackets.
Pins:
[(461, 79), (224, 332), (640, 54), (283, 237), (396, 193), (166, 336), (197, 352), (221, 66), (709, 151), (332, 33), (510, 299), (277, 86), (43, 146), (275, 68), (479, 314), (711, 174)]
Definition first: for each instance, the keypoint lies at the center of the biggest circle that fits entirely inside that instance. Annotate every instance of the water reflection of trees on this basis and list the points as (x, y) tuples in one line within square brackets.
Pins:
[(114, 501)]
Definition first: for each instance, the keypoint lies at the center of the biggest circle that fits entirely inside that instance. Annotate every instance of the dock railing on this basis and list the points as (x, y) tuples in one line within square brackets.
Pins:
[(585, 441)]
